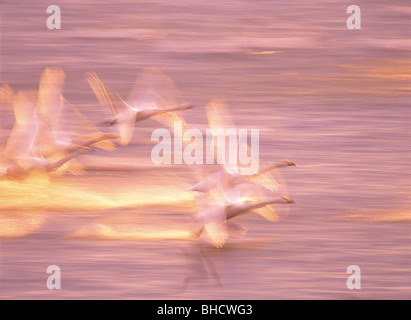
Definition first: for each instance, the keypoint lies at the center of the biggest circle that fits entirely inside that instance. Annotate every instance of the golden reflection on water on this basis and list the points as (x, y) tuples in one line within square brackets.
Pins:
[(14, 225)]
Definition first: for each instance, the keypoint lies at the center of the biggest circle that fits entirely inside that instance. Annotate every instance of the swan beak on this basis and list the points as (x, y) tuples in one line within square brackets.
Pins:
[(288, 200)]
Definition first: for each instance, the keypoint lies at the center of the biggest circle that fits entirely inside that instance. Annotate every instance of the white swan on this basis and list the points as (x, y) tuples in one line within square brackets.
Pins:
[(144, 102), (51, 111), (230, 179), (213, 219), (221, 195)]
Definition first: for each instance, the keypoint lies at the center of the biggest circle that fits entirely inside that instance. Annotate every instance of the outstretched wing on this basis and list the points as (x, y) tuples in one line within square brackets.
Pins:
[(107, 98), (82, 129), (50, 99), (224, 145), (263, 187), (214, 223), (155, 89), (48, 109)]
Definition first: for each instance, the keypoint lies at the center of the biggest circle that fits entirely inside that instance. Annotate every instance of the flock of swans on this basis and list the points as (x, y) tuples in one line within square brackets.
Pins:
[(41, 143)]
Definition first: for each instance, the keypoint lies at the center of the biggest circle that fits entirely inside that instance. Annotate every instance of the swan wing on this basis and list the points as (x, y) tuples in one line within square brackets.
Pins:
[(109, 99), (215, 226), (222, 126), (155, 90)]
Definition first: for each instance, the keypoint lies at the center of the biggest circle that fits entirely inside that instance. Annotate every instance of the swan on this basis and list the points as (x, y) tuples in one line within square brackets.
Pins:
[(220, 195), (229, 176), (24, 166), (50, 111), (214, 218), (145, 102), (230, 179)]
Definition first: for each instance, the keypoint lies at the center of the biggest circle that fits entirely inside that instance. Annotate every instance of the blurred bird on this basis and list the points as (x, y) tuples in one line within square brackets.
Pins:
[(227, 193), (22, 153), (53, 113), (213, 217), (144, 102), (229, 177)]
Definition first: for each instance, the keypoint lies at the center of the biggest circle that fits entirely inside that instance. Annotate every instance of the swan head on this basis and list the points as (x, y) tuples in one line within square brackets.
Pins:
[(185, 106), (84, 150), (193, 188)]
